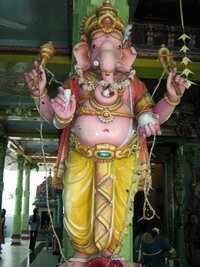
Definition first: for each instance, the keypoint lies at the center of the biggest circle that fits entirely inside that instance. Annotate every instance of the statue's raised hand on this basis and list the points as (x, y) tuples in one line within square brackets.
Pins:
[(36, 80), (176, 85)]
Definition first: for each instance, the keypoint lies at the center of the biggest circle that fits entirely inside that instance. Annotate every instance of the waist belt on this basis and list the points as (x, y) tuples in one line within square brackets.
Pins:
[(152, 254), (103, 152)]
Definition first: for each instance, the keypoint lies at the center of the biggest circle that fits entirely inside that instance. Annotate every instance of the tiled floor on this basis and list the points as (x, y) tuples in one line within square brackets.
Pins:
[(19, 256)]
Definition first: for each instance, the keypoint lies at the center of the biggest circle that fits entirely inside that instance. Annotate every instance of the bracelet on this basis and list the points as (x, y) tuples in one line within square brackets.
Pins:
[(40, 96), (63, 121), (172, 103)]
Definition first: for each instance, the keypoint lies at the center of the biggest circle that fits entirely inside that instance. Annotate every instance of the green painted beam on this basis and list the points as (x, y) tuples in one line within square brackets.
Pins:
[(151, 68), (16, 58)]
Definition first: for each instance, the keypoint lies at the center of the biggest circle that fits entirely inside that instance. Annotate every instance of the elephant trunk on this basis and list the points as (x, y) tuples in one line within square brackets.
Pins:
[(107, 60), (107, 65)]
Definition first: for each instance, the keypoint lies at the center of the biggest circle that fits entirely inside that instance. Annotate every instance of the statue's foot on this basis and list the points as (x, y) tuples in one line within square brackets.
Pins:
[(74, 264), (79, 260), (131, 264)]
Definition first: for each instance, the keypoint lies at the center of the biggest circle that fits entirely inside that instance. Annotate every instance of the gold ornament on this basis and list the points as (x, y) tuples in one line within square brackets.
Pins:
[(63, 121), (172, 103), (39, 96), (105, 19), (47, 51)]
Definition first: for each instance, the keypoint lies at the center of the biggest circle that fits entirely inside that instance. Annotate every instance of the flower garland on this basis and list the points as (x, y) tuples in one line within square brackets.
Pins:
[(87, 86), (103, 262)]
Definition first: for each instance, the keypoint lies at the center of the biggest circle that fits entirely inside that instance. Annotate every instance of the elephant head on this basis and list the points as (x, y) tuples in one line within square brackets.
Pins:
[(106, 53)]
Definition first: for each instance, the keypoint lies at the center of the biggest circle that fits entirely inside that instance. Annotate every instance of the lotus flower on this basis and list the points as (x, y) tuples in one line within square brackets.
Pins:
[(100, 262), (115, 263), (103, 262)]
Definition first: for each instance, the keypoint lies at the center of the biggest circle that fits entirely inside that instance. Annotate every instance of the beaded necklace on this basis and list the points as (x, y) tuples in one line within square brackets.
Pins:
[(90, 86)]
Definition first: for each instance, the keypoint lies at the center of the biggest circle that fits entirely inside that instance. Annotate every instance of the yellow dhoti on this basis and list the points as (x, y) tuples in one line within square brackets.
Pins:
[(99, 186)]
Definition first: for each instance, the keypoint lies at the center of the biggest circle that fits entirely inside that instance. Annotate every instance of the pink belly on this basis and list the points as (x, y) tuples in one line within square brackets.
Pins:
[(90, 131)]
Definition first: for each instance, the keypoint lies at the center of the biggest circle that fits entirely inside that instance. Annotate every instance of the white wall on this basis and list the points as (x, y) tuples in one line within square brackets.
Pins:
[(8, 197)]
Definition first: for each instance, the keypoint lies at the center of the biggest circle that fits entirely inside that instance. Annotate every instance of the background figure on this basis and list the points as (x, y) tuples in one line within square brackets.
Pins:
[(141, 228), (192, 239), (153, 249), (2, 228), (34, 223)]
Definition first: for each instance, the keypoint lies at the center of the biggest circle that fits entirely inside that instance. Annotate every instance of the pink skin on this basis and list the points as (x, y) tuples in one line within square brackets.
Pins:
[(45, 107), (58, 105), (129, 55), (163, 110), (49, 107), (82, 51)]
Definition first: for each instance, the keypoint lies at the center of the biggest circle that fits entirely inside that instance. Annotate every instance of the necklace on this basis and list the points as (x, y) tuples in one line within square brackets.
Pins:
[(105, 112), (89, 85)]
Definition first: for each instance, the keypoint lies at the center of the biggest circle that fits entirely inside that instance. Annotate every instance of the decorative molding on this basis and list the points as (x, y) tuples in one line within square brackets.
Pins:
[(31, 50), (157, 33)]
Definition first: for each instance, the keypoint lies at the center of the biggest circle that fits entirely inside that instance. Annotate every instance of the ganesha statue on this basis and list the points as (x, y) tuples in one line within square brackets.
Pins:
[(106, 113)]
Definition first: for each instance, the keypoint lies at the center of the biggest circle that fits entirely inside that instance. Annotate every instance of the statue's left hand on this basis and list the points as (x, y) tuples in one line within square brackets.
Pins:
[(176, 85), (150, 128)]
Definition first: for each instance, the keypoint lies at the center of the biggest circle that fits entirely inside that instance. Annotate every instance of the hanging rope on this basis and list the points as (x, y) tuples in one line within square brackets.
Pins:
[(47, 186)]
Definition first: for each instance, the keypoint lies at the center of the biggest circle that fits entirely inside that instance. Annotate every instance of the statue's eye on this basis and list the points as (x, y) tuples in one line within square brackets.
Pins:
[(94, 46), (119, 47)]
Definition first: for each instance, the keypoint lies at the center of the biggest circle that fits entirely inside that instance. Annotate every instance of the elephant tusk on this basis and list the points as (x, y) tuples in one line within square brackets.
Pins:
[(118, 65), (96, 63), (106, 93)]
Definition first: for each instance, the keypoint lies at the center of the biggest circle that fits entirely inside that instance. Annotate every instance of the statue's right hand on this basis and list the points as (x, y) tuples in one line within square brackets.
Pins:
[(36, 80)]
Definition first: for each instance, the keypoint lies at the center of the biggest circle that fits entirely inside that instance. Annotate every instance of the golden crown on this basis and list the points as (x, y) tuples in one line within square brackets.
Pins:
[(105, 19)]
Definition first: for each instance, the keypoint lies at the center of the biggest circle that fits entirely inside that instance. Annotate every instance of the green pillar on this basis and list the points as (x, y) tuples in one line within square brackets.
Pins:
[(3, 147), (26, 195), (127, 249), (16, 240), (179, 197)]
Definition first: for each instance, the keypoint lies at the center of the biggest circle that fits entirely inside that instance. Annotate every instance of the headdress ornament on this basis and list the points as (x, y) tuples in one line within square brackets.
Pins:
[(105, 19)]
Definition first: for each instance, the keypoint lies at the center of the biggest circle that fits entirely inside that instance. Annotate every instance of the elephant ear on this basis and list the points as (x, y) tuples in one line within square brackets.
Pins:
[(129, 55), (82, 54)]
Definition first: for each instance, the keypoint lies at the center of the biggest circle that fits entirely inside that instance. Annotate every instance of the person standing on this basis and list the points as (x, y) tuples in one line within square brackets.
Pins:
[(192, 240), (154, 248), (34, 223), (2, 228)]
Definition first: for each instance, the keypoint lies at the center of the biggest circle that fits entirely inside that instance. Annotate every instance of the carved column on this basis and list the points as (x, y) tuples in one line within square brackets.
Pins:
[(3, 147), (179, 196), (16, 240), (193, 158), (26, 195)]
